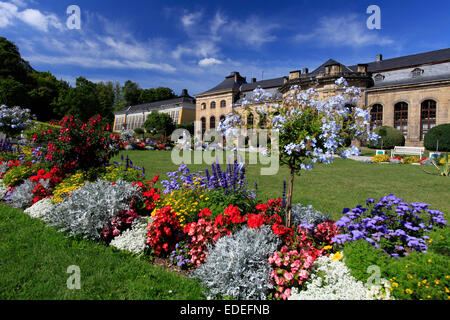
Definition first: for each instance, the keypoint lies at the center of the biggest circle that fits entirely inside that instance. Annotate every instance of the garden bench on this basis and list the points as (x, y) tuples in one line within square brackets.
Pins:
[(410, 151)]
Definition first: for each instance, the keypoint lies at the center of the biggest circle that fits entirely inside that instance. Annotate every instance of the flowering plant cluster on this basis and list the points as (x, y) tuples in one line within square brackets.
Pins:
[(391, 224), (292, 265), (181, 256), (119, 223), (79, 146), (230, 181), (14, 120), (203, 233), (164, 232)]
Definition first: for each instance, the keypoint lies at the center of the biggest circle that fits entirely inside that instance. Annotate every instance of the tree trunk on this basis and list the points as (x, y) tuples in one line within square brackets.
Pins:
[(289, 198)]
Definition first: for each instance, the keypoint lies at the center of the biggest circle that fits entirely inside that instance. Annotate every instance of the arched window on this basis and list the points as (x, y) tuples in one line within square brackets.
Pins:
[(212, 122), (223, 104), (250, 120), (401, 117), (376, 116), (203, 120), (427, 117), (203, 106), (213, 105)]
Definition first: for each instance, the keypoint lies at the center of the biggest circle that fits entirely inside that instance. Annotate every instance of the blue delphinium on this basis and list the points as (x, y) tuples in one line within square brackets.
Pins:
[(391, 224), (230, 181)]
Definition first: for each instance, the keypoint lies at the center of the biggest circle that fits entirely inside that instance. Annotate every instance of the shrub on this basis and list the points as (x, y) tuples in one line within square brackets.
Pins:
[(438, 135), (332, 280), (39, 209), (14, 120), (302, 214), (22, 196), (3, 190), (390, 224), (139, 131), (238, 264), (390, 137), (89, 209), (80, 146)]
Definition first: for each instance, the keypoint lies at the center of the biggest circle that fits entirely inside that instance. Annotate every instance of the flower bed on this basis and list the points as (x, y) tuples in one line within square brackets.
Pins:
[(211, 224)]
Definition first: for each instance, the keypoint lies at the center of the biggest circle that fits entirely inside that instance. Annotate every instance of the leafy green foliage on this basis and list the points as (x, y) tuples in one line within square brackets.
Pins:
[(390, 137), (438, 138), (159, 123)]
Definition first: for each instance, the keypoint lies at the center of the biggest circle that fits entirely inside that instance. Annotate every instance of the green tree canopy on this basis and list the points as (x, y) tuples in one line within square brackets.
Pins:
[(159, 123)]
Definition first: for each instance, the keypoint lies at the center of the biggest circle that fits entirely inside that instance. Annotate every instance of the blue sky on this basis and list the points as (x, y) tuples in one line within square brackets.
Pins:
[(195, 44)]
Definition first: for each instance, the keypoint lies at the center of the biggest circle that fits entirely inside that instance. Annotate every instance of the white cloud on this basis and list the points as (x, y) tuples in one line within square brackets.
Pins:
[(347, 30), (8, 12), (207, 62), (32, 17), (253, 31), (102, 63), (190, 19), (36, 19)]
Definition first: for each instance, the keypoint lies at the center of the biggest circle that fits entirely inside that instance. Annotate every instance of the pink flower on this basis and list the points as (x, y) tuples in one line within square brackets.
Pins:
[(288, 276)]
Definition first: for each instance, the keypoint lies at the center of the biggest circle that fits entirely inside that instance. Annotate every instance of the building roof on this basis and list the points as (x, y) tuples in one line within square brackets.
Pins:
[(231, 82), (409, 61), (184, 98), (265, 84), (321, 69), (410, 81)]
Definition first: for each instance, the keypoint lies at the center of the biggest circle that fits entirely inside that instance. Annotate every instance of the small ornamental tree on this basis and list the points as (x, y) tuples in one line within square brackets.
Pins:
[(79, 146), (310, 130), (13, 120)]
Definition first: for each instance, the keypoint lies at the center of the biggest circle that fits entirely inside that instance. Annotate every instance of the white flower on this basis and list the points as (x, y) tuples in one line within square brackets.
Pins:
[(3, 190), (133, 239), (332, 280)]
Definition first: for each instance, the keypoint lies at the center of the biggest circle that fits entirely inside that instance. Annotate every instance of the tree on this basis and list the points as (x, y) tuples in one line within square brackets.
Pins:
[(106, 98), (159, 94), (13, 93), (81, 101), (159, 123), (131, 93), (44, 95), (11, 62), (310, 130)]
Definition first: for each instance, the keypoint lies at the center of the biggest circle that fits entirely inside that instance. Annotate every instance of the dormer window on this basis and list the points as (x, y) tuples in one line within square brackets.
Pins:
[(379, 77), (417, 72)]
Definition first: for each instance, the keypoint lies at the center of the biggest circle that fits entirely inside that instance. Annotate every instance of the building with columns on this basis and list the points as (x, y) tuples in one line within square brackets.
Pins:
[(410, 93), (181, 110)]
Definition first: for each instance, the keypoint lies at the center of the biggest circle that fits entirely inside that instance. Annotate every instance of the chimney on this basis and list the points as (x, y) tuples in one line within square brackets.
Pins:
[(379, 57), (184, 93), (362, 68), (294, 74), (253, 80), (305, 71)]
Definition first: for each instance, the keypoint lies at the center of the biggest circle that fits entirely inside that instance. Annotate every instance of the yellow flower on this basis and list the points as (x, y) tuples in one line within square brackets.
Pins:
[(429, 260), (328, 247), (436, 281), (408, 291), (337, 256), (395, 284)]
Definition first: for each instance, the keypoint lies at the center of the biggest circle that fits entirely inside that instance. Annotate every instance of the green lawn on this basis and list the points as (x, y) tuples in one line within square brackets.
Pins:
[(34, 261), (330, 188)]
